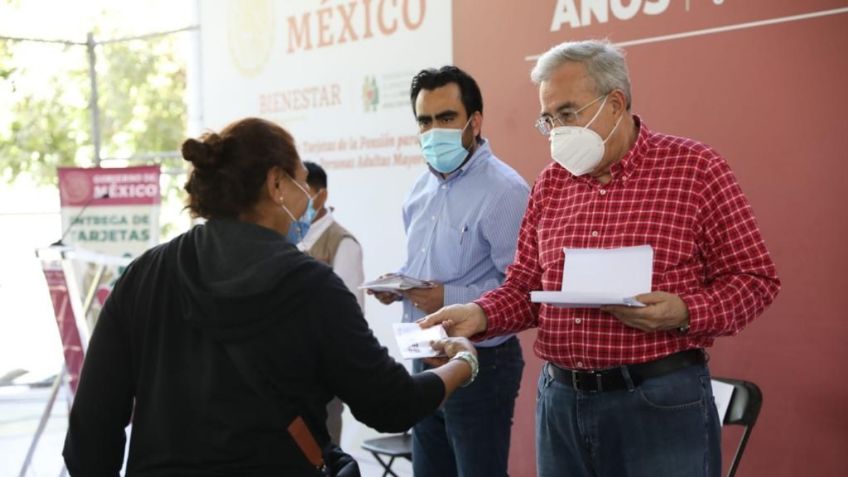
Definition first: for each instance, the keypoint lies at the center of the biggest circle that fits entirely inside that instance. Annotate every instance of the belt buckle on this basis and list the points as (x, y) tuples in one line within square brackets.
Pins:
[(575, 381)]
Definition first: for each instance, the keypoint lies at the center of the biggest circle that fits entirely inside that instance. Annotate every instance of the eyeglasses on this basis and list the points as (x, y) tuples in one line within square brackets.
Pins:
[(566, 117)]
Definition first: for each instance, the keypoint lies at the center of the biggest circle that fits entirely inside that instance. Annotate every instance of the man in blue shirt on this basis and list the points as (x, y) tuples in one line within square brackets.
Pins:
[(462, 219)]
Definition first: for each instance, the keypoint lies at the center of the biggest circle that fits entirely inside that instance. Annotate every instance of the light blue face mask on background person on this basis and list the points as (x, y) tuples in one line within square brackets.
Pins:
[(299, 227), (443, 149)]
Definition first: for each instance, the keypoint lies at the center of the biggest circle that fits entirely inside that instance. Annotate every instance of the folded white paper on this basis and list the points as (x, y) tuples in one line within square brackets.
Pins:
[(592, 277), (414, 342), (395, 282), (722, 393), (581, 300)]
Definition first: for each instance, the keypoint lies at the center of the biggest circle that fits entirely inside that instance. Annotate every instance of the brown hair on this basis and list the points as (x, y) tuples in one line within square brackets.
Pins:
[(230, 167)]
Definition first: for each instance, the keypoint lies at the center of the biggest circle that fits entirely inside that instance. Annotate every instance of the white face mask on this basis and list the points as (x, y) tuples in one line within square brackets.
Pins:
[(579, 149)]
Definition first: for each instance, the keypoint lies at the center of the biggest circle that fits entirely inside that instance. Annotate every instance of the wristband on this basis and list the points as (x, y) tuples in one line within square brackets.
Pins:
[(471, 359)]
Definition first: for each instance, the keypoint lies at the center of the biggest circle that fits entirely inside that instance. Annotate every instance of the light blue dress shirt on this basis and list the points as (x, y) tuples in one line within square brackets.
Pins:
[(461, 231)]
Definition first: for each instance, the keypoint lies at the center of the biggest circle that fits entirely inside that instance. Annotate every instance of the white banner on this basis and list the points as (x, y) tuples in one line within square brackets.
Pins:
[(337, 76), (113, 211)]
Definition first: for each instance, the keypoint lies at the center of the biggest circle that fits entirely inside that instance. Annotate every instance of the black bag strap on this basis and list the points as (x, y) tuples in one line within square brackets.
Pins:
[(297, 428)]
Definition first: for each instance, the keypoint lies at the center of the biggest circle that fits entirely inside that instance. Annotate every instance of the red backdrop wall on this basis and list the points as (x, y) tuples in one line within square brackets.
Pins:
[(772, 97)]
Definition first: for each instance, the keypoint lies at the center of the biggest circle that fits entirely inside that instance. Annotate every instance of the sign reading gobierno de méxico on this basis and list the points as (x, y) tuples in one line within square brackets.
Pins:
[(121, 215)]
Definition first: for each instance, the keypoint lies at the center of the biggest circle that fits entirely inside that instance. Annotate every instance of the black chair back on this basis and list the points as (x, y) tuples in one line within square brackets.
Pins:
[(743, 410)]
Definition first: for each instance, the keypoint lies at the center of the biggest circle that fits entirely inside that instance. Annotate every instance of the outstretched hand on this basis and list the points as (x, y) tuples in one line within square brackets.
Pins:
[(458, 320)]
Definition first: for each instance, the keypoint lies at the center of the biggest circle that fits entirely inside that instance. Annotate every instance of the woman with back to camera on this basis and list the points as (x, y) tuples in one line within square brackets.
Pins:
[(213, 343)]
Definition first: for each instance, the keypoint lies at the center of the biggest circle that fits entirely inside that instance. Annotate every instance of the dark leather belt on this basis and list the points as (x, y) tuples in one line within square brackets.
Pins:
[(612, 379)]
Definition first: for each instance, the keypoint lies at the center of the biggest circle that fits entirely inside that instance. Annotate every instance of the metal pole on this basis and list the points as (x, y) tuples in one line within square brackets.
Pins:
[(95, 111), (57, 382), (194, 85)]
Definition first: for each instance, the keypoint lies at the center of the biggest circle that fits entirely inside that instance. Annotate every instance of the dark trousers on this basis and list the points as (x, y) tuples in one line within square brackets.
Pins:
[(667, 426), (469, 435)]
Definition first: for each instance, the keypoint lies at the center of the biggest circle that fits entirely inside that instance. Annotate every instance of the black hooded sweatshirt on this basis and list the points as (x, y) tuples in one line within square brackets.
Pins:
[(159, 357)]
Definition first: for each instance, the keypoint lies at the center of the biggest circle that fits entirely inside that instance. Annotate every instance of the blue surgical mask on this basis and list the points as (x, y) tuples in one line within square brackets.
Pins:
[(297, 231), (299, 227), (443, 149)]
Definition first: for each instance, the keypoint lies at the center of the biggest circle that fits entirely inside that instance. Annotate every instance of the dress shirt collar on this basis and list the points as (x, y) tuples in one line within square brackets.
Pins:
[(316, 230), (630, 161)]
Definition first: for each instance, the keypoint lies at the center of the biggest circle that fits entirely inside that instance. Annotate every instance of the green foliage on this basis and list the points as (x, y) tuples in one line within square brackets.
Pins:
[(141, 86), (142, 97), (41, 130), (6, 68)]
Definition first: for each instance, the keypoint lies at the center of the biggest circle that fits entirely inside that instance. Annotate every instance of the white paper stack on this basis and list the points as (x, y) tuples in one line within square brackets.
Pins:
[(593, 277)]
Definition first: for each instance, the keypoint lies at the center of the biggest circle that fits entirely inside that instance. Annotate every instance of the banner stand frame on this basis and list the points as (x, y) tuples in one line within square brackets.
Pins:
[(65, 256)]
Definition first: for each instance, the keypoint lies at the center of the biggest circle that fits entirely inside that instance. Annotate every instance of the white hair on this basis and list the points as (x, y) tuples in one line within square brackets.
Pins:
[(604, 63)]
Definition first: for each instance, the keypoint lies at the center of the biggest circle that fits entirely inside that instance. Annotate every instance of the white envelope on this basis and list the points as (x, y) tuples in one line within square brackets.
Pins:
[(414, 342), (592, 277)]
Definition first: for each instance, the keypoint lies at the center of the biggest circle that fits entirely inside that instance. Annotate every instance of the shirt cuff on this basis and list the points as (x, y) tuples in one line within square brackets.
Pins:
[(492, 320), (699, 306)]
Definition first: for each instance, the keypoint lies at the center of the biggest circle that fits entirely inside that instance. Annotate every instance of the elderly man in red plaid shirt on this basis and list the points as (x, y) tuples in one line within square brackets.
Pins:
[(625, 391)]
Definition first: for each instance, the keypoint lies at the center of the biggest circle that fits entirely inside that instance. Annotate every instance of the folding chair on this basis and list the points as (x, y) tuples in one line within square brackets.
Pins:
[(743, 410), (392, 447)]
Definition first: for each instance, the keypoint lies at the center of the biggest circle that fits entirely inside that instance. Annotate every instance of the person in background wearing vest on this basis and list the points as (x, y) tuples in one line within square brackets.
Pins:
[(332, 244), (462, 218)]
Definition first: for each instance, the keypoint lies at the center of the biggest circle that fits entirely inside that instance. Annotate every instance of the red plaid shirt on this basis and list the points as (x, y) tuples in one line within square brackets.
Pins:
[(675, 194)]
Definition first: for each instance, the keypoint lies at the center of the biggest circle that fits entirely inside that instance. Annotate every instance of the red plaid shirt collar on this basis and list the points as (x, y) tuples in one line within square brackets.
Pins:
[(630, 162)]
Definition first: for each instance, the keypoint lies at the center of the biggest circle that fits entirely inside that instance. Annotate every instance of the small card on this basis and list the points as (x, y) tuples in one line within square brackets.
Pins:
[(414, 342)]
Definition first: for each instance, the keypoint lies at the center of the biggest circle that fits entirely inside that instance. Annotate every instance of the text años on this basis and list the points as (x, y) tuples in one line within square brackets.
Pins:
[(580, 13)]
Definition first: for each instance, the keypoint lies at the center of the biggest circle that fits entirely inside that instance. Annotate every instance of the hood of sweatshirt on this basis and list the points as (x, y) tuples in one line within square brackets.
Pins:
[(238, 278)]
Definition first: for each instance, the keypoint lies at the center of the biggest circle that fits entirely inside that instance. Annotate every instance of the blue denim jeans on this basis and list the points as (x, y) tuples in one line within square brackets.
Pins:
[(666, 426), (469, 435)]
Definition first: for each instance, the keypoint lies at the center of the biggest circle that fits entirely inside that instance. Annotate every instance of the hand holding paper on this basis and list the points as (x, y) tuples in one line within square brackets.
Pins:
[(661, 312), (414, 342)]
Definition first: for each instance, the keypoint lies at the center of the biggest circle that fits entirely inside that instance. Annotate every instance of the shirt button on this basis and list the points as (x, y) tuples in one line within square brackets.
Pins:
[(594, 233), (580, 364), (405, 317), (577, 320), (444, 186), (434, 217), (423, 250), (602, 191)]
